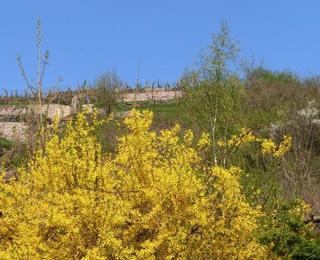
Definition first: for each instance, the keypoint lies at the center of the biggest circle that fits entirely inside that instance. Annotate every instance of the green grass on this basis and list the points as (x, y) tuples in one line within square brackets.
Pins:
[(5, 144), (165, 114)]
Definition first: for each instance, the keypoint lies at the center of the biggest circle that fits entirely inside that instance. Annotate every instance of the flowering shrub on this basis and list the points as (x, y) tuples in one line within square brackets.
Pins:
[(155, 198), (268, 146)]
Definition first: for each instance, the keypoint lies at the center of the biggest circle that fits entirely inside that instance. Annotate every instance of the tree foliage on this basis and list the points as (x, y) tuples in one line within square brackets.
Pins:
[(214, 95)]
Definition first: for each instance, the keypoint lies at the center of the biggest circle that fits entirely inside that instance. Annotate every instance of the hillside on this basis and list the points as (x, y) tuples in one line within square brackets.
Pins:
[(223, 164)]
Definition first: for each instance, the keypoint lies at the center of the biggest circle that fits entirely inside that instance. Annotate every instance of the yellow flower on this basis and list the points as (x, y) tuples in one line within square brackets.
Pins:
[(148, 200), (204, 141), (268, 146)]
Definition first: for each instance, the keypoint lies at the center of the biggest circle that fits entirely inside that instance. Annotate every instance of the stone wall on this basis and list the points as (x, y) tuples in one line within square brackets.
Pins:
[(14, 131), (17, 130), (50, 110), (157, 95)]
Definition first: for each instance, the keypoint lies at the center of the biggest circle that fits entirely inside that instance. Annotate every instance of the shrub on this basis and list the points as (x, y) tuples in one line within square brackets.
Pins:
[(155, 198), (289, 234)]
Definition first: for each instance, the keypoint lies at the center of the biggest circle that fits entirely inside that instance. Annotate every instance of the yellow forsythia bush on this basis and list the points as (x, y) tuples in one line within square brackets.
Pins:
[(268, 146), (151, 200)]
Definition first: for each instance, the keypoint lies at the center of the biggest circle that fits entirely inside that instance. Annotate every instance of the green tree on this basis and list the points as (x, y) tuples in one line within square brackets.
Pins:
[(214, 102)]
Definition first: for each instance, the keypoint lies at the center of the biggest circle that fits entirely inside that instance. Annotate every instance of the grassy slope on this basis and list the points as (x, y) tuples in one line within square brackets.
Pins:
[(165, 114)]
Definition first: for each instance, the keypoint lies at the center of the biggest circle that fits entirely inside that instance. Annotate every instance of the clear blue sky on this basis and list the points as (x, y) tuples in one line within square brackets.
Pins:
[(86, 38)]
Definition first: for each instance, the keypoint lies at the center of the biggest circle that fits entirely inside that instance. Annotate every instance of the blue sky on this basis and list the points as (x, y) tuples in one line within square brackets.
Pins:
[(87, 38)]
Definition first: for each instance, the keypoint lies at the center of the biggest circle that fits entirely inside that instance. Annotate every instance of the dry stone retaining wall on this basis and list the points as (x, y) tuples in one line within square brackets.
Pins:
[(50, 110), (14, 131), (157, 95)]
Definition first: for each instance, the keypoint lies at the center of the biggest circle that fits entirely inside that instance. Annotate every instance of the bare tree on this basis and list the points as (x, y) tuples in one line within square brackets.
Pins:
[(108, 88), (34, 91)]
